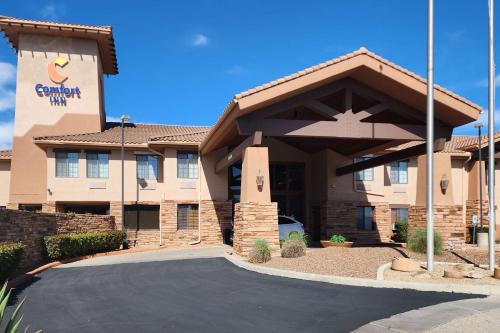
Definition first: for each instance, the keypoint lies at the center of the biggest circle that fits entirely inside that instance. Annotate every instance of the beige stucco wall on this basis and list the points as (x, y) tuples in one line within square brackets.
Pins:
[(168, 186), (35, 116), (4, 181)]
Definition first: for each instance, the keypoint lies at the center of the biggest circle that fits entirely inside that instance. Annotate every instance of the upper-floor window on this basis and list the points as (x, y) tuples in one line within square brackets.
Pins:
[(147, 167), (67, 164), (97, 164), (187, 164), (399, 172), (366, 174)]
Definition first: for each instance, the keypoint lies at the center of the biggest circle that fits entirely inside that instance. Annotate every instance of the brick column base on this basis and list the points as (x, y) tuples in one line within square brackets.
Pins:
[(216, 217), (115, 209), (448, 222), (254, 221)]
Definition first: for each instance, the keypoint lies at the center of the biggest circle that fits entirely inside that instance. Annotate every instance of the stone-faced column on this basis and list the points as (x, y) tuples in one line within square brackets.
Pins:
[(255, 217)]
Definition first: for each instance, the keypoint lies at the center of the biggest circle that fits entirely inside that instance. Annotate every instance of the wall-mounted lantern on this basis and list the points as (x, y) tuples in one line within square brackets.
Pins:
[(444, 183), (259, 179)]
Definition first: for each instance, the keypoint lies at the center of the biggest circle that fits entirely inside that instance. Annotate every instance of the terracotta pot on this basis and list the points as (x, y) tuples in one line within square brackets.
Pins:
[(496, 274), (325, 243)]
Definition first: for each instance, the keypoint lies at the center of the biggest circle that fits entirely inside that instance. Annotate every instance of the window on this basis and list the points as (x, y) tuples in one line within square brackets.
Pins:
[(366, 174), (35, 208), (399, 172), (187, 217), (398, 214), (147, 167), (67, 164), (187, 164), (142, 217), (97, 164), (364, 218)]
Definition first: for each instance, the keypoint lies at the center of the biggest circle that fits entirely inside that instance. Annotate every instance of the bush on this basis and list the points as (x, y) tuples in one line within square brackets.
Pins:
[(73, 245), (418, 242), (293, 248), (337, 239), (295, 235), (401, 232), (260, 252), (10, 257)]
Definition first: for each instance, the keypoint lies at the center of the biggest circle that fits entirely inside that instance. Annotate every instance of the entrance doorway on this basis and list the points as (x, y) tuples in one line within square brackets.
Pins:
[(288, 188)]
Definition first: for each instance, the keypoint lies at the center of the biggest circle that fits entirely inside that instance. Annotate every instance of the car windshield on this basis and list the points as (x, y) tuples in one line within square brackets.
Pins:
[(285, 220)]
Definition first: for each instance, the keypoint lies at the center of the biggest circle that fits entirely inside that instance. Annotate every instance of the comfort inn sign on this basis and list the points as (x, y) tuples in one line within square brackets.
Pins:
[(58, 95)]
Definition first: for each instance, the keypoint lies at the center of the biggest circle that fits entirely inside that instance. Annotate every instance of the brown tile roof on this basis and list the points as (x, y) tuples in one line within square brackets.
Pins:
[(135, 134), (331, 62), (6, 154), (102, 34)]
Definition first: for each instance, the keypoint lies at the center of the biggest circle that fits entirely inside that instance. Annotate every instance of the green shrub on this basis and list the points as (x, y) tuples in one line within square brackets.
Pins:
[(10, 257), (295, 235), (12, 324), (418, 242), (73, 245), (260, 252), (401, 231), (337, 239), (293, 248)]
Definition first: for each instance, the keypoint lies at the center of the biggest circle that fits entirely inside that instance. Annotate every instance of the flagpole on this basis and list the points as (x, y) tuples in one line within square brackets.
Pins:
[(430, 137), (491, 141)]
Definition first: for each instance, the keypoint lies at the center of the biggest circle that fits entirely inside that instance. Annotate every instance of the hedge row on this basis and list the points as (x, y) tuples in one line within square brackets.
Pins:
[(73, 245), (10, 257)]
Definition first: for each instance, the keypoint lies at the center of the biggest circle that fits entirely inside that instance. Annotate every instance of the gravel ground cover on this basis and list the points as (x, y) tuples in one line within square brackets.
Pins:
[(363, 262)]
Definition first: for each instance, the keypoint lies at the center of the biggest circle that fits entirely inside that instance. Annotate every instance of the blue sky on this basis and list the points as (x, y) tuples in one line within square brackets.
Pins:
[(181, 62)]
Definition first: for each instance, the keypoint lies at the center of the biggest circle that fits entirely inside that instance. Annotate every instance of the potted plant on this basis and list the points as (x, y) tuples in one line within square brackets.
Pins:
[(336, 240)]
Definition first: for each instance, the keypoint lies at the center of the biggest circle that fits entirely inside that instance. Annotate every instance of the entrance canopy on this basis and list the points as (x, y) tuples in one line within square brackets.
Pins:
[(356, 104)]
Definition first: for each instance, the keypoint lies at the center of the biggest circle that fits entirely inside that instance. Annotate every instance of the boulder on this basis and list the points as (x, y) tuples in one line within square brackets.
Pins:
[(453, 273), (405, 265), (496, 274)]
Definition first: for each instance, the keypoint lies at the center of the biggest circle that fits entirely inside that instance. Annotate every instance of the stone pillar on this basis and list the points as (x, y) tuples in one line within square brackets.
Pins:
[(115, 209), (216, 217), (12, 205), (255, 217), (254, 221), (49, 207)]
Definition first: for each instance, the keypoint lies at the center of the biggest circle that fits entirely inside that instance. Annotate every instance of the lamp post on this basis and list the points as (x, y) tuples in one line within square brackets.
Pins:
[(124, 119), (479, 126), (491, 139), (430, 137)]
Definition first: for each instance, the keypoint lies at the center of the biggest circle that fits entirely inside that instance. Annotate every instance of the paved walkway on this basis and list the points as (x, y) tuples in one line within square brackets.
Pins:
[(126, 294), (458, 316), (156, 255)]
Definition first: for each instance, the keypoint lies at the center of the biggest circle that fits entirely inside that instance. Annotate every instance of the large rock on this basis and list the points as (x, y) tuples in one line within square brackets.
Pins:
[(453, 273), (405, 265), (496, 274)]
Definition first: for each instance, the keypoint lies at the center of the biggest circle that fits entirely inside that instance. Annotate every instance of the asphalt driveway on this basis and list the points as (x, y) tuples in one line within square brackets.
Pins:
[(204, 295)]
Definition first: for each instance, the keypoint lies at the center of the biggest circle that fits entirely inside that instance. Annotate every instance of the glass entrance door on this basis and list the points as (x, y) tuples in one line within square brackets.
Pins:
[(288, 188)]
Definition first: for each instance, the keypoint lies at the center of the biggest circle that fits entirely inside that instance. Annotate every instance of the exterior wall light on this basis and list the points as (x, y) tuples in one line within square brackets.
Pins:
[(444, 183), (259, 179)]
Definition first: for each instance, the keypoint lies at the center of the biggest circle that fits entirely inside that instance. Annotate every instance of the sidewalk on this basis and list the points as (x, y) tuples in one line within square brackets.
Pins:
[(471, 315)]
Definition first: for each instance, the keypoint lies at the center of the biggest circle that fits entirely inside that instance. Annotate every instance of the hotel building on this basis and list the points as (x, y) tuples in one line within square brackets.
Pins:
[(340, 146)]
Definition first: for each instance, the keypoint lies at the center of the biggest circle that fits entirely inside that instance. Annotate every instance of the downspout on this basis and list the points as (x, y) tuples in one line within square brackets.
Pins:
[(464, 200), (198, 241), (162, 155)]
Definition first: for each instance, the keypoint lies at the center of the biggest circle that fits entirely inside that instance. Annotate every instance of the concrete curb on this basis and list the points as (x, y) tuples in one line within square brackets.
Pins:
[(362, 282)]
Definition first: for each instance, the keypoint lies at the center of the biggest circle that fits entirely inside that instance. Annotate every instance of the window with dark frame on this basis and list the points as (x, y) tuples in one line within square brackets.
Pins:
[(399, 172), (142, 217), (366, 174), (67, 164), (97, 164), (187, 217), (187, 164), (364, 218), (398, 214)]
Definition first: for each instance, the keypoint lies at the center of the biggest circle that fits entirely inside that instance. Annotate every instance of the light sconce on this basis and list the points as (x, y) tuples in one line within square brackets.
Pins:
[(49, 191), (444, 183), (259, 179)]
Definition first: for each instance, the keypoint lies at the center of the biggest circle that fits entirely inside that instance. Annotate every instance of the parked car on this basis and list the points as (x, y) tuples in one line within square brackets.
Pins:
[(287, 224)]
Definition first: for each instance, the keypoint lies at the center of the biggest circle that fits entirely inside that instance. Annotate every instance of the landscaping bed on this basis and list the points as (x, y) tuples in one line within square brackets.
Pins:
[(363, 262)]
